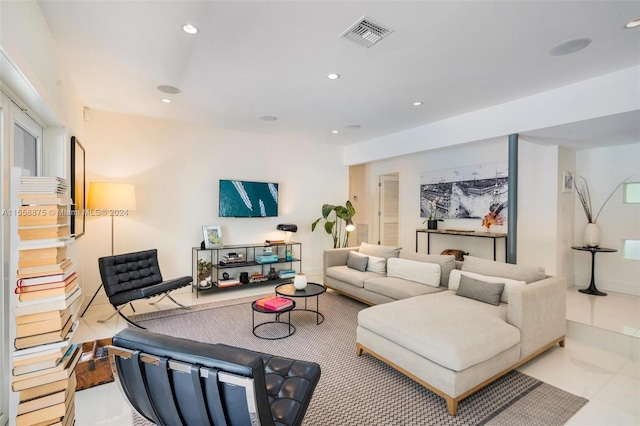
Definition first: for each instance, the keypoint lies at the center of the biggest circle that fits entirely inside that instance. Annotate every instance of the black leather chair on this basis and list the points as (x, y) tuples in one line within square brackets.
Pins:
[(174, 381), (132, 276)]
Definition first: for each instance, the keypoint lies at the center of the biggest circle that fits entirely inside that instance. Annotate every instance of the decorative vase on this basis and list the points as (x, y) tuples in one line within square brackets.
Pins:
[(591, 235), (432, 224), (272, 275), (300, 281)]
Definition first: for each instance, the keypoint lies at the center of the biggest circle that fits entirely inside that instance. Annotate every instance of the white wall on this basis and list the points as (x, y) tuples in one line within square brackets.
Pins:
[(604, 169), (176, 167)]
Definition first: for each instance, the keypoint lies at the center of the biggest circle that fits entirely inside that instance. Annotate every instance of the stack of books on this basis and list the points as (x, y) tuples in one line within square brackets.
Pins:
[(48, 295), (267, 258), (274, 303)]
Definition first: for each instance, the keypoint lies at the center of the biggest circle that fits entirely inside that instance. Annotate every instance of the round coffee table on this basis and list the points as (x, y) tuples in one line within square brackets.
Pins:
[(291, 328), (311, 290)]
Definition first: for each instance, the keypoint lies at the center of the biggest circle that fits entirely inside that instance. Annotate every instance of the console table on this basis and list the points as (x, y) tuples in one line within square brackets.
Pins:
[(492, 235), (592, 287)]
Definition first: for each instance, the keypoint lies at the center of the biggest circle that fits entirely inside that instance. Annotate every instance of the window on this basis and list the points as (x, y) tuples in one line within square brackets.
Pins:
[(631, 249), (631, 191)]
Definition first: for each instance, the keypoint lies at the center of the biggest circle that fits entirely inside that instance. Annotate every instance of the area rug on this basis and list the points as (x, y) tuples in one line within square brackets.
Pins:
[(363, 390)]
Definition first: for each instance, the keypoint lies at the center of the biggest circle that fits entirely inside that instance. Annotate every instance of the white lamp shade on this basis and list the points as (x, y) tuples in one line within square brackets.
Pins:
[(111, 195)]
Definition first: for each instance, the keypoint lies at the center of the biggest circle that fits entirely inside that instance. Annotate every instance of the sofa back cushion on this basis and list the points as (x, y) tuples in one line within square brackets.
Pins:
[(447, 263), (420, 272), (374, 263), (354, 261), (527, 274), (509, 284), (379, 251)]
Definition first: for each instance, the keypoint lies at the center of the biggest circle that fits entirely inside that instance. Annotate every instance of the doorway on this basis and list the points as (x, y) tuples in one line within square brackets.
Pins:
[(388, 209)]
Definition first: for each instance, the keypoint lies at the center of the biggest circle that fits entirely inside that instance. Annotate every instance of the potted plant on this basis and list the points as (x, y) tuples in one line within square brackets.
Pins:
[(591, 235), (204, 270), (339, 226), (432, 207)]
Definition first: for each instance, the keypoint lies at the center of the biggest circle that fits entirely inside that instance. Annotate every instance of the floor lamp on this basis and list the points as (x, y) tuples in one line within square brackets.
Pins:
[(107, 198)]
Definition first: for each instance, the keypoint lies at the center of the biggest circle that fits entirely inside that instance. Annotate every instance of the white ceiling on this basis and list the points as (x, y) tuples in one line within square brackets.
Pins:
[(258, 58)]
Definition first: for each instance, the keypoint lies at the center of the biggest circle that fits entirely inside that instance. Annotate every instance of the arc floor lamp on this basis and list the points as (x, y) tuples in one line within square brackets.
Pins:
[(107, 198)]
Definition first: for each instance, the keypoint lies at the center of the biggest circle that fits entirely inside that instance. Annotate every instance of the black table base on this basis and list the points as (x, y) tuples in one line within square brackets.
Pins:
[(592, 286)]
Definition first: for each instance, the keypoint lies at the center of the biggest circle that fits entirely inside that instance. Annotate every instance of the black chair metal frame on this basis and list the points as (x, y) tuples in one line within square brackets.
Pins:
[(174, 381), (133, 276)]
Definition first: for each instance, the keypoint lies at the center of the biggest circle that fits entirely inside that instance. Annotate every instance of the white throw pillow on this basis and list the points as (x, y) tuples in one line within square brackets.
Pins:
[(420, 272), (375, 264), (454, 282)]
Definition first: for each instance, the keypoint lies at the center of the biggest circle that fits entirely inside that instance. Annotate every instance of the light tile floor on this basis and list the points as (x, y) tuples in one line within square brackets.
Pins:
[(609, 380)]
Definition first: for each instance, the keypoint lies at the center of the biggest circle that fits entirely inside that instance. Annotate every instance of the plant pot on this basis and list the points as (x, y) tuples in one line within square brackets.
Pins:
[(432, 224), (591, 235)]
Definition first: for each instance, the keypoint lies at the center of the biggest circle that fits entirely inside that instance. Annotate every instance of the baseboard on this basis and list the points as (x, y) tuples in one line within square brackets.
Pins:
[(605, 339)]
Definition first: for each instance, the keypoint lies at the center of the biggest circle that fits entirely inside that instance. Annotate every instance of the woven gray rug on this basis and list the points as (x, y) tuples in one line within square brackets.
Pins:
[(363, 390)]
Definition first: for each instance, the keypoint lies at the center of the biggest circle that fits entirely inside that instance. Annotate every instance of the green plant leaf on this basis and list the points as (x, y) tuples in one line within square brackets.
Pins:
[(314, 224), (328, 226), (326, 210)]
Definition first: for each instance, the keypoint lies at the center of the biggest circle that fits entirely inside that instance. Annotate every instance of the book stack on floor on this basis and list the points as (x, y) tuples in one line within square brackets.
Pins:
[(48, 294)]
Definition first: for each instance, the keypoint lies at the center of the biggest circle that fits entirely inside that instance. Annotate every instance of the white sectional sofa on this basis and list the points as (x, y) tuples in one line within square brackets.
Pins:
[(452, 340)]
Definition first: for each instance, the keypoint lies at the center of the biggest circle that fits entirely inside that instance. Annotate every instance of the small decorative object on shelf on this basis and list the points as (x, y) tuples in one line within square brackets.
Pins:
[(300, 281), (591, 234), (272, 275), (432, 207)]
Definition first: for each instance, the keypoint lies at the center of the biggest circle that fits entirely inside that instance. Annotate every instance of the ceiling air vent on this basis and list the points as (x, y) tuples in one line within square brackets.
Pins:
[(366, 32)]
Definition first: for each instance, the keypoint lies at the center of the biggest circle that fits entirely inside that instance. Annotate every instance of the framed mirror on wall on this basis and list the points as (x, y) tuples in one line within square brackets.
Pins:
[(77, 183)]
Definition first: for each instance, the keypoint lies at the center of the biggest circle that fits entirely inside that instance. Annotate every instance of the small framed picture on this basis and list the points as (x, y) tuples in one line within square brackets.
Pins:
[(567, 182), (212, 236)]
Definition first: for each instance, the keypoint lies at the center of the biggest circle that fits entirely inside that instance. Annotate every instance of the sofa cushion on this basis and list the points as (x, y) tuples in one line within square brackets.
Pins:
[(482, 291), (452, 331), (421, 272), (379, 251), (398, 288), (447, 263), (350, 276), (527, 274), (374, 263), (509, 284), (357, 262)]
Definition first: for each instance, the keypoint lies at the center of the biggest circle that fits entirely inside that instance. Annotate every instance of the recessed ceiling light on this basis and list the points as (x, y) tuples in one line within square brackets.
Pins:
[(166, 100), (633, 23), (334, 131), (418, 103), (333, 76), (268, 118), (353, 126), (170, 90), (569, 47), (190, 29)]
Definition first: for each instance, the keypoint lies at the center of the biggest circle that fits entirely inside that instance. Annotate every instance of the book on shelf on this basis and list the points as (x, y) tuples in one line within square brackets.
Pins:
[(30, 295), (42, 363), (57, 255), (43, 232), (22, 287), (54, 314), (44, 326), (39, 271), (46, 415), (40, 199), (43, 351), (68, 363), (274, 303), (45, 279), (275, 242), (54, 252), (29, 371), (228, 283), (53, 398), (46, 389), (44, 338), (49, 304)]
